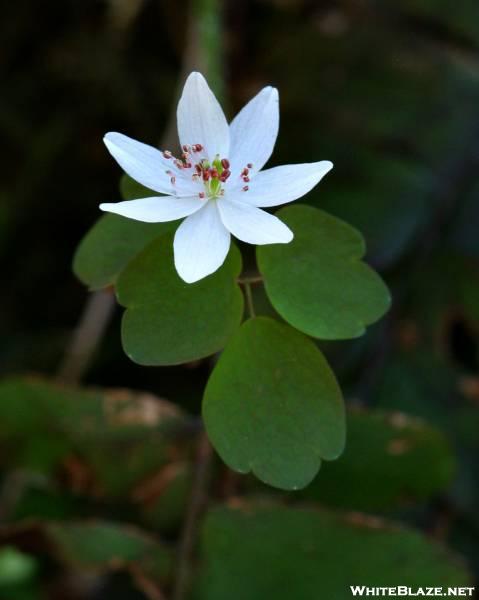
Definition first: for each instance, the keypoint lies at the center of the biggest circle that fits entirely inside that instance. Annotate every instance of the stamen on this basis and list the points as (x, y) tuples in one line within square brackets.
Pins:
[(246, 188), (173, 180), (246, 179), (167, 154), (250, 165), (213, 174), (224, 176), (244, 172)]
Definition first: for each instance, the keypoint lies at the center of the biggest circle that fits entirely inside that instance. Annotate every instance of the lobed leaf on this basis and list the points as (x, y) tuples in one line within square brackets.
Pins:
[(169, 321), (318, 282), (108, 247), (272, 405), (113, 241)]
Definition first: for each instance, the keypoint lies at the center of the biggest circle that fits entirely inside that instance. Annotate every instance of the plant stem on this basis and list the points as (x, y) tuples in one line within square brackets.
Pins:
[(249, 299), (85, 339), (197, 503), (207, 32), (251, 279)]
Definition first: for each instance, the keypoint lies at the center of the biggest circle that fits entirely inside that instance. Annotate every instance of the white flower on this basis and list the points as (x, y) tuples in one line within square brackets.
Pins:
[(217, 183)]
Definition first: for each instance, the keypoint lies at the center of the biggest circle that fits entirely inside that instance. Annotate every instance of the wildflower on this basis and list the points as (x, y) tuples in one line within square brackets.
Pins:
[(207, 183)]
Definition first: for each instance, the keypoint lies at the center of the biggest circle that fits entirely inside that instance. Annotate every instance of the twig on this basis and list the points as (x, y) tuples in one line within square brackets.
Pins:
[(197, 503), (96, 315)]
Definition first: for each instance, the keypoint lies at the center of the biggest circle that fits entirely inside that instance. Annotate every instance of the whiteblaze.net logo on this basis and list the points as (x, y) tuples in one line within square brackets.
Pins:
[(405, 591)]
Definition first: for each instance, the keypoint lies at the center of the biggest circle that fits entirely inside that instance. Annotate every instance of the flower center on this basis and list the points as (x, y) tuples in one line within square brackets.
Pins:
[(212, 174)]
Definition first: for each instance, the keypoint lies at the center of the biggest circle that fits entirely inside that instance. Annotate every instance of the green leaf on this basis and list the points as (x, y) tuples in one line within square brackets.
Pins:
[(113, 241), (259, 553), (425, 384), (102, 544), (318, 282), (272, 405), (43, 424), (27, 421), (390, 459), (108, 247), (31, 404), (169, 321)]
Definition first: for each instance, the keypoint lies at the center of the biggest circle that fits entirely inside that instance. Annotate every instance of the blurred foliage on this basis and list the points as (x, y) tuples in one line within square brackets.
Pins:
[(253, 553), (390, 460), (94, 482)]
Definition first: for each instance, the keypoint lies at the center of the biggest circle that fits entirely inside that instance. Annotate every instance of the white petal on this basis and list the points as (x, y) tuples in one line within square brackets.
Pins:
[(185, 186), (282, 184), (158, 209), (201, 119), (254, 130), (252, 225), (201, 244), (144, 163)]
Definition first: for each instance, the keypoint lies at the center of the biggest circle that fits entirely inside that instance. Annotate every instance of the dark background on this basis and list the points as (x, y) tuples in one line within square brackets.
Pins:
[(387, 90)]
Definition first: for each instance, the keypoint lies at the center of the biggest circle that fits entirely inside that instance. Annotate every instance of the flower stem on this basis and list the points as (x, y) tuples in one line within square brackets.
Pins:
[(249, 299), (250, 279)]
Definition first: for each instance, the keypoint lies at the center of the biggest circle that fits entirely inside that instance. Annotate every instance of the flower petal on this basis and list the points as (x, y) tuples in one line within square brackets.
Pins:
[(157, 209), (282, 184), (252, 225), (254, 130), (201, 244), (201, 119), (185, 186), (144, 163)]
